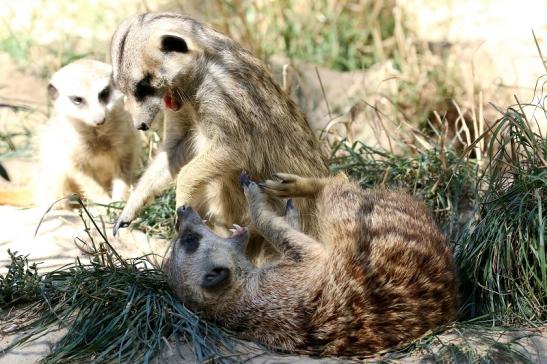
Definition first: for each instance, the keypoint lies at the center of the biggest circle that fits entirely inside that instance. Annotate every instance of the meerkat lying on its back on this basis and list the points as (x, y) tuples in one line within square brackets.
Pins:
[(223, 113), (89, 146), (380, 275)]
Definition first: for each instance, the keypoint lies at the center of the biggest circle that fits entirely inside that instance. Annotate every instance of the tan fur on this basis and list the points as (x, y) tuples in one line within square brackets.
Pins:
[(90, 149), (233, 116), (379, 275)]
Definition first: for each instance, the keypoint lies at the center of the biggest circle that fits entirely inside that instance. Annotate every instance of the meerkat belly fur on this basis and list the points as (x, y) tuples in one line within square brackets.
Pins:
[(380, 274), (89, 146), (223, 113)]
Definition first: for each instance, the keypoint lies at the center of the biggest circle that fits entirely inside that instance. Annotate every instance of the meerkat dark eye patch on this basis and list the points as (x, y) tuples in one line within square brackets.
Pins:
[(172, 43), (104, 95), (190, 241), (52, 92), (144, 89)]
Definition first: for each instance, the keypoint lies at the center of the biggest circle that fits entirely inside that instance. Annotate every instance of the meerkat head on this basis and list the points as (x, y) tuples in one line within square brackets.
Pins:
[(82, 92), (157, 60), (202, 266)]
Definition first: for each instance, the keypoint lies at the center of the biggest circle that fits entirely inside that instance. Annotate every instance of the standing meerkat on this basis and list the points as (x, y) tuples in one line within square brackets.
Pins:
[(381, 273), (89, 146), (223, 113)]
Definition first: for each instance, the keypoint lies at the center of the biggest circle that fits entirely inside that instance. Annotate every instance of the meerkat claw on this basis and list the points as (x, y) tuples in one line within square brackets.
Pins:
[(285, 177), (119, 224), (244, 179), (290, 204), (237, 229)]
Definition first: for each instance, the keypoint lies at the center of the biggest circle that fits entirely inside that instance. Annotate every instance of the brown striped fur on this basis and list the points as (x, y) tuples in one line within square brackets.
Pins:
[(232, 117), (380, 273)]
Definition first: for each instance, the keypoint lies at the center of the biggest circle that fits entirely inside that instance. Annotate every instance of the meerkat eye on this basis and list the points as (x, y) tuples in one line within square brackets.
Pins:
[(172, 43), (144, 89), (76, 100), (104, 95)]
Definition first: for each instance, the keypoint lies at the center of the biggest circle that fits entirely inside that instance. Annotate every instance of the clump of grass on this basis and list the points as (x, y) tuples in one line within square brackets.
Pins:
[(443, 179), (157, 218), (113, 309), (502, 255), (20, 284)]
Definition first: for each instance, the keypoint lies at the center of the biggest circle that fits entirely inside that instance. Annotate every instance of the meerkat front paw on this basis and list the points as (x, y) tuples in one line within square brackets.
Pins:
[(255, 196), (262, 213), (252, 191), (124, 220)]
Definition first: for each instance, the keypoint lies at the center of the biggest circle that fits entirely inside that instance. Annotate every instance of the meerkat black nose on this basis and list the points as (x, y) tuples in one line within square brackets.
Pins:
[(184, 210), (215, 277), (143, 126)]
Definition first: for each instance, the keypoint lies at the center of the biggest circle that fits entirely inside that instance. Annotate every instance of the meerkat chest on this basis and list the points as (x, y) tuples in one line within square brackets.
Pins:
[(101, 162), (200, 140), (102, 167)]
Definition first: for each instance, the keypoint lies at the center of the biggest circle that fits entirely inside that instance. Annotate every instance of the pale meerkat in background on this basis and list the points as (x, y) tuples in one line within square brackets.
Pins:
[(223, 113), (89, 145), (380, 274)]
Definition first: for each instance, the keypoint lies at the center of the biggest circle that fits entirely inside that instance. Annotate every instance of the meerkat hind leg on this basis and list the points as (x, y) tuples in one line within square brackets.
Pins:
[(290, 185)]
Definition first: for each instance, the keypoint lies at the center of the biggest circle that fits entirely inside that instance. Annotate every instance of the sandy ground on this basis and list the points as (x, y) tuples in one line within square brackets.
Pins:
[(53, 246)]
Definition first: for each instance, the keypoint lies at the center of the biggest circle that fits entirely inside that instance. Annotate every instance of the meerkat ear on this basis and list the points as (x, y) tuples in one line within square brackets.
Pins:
[(52, 92), (173, 43), (240, 240)]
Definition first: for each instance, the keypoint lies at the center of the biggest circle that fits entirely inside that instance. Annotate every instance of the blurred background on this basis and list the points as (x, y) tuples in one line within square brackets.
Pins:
[(414, 61)]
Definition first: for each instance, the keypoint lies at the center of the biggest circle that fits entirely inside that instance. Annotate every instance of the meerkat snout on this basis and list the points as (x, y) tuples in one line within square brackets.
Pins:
[(188, 215), (99, 119)]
